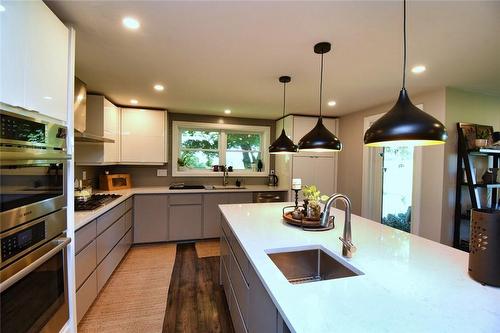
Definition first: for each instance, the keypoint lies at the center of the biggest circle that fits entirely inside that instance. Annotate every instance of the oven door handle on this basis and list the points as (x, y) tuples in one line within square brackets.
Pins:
[(48, 250)]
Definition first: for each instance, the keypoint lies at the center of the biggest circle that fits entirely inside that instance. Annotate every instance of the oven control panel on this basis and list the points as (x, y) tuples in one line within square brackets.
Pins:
[(21, 240)]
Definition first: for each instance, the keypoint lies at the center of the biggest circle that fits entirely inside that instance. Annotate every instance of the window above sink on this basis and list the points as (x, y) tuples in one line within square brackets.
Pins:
[(196, 147)]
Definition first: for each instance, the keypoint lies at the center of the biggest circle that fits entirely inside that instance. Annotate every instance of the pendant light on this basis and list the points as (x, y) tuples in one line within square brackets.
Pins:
[(405, 124), (283, 144), (320, 139)]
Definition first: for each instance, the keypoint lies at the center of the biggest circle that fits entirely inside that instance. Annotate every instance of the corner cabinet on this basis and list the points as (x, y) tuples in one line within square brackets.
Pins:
[(143, 136), (34, 62)]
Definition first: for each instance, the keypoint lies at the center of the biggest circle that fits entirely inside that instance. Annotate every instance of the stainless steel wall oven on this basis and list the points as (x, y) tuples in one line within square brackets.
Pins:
[(33, 274)]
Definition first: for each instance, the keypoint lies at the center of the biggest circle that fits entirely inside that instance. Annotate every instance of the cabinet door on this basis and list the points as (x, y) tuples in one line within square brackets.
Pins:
[(184, 222), (111, 131), (319, 171), (13, 36), (142, 136), (46, 66), (324, 173), (150, 218), (211, 214), (262, 314)]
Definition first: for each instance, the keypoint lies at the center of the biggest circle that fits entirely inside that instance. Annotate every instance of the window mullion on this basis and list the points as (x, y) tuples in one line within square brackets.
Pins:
[(222, 147)]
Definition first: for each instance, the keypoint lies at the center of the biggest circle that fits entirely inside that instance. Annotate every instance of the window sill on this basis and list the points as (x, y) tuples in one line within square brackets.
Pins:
[(218, 174)]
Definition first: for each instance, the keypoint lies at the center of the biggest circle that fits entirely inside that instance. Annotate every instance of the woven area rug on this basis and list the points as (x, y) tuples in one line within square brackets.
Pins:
[(207, 248), (135, 297)]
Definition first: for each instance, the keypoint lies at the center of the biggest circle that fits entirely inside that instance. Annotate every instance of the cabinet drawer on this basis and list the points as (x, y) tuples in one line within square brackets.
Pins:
[(185, 199), (85, 235), (238, 324), (240, 287), (107, 219), (108, 265), (85, 263), (241, 258), (129, 204), (85, 296), (224, 251), (128, 220), (109, 238)]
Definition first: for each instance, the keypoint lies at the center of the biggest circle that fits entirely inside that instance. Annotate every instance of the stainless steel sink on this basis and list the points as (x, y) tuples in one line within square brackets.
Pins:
[(311, 265)]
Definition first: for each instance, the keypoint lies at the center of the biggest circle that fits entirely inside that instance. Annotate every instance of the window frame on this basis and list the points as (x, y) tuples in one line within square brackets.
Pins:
[(264, 131)]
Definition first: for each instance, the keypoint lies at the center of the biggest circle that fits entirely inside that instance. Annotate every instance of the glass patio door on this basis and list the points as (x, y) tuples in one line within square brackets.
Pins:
[(397, 180)]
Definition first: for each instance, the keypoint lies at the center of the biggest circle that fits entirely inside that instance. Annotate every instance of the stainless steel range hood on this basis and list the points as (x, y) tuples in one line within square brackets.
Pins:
[(80, 116)]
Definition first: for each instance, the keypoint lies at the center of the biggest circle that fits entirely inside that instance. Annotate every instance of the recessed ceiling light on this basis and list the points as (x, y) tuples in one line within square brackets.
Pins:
[(2, 8), (47, 97), (159, 87), (131, 23), (227, 111), (134, 101), (332, 103), (418, 69)]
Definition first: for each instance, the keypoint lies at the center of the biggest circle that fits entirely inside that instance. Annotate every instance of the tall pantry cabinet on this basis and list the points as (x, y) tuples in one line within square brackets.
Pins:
[(318, 169)]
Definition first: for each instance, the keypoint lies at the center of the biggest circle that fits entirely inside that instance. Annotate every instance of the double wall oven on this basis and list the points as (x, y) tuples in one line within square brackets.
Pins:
[(33, 272)]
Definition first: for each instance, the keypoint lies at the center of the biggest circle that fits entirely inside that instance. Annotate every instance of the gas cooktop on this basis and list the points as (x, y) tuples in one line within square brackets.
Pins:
[(95, 201)]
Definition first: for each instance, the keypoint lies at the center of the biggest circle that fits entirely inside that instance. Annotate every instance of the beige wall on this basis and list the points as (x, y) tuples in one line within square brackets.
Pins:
[(350, 173), (462, 106)]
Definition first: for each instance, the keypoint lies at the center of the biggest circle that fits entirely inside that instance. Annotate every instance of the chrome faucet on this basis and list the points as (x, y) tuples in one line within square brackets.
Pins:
[(225, 176), (348, 247)]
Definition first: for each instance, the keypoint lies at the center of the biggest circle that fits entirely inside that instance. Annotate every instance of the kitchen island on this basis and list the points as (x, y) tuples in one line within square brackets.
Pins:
[(408, 283)]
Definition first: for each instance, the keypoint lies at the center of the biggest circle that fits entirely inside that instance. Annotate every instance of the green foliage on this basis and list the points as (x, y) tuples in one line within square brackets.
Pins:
[(401, 221), (312, 193), (482, 134)]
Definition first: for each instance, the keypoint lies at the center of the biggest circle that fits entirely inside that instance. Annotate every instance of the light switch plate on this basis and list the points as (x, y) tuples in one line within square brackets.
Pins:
[(162, 172), (84, 175)]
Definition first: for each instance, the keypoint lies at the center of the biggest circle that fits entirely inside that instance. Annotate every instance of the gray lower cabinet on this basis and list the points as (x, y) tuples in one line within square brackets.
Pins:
[(150, 218), (212, 214), (184, 222), (100, 246), (252, 309)]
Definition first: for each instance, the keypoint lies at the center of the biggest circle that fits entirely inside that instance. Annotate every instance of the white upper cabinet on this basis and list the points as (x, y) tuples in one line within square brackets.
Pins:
[(143, 136), (34, 58), (111, 131)]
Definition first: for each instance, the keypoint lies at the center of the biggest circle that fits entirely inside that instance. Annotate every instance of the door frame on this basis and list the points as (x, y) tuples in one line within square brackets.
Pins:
[(370, 207)]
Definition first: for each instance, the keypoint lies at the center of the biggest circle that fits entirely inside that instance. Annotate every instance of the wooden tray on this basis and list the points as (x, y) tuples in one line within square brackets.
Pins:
[(306, 224)]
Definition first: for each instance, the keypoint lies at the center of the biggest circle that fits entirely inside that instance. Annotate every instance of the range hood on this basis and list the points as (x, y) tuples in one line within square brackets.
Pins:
[(80, 116)]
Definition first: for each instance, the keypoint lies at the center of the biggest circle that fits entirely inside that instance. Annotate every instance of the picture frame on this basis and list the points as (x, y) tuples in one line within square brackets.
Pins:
[(469, 131)]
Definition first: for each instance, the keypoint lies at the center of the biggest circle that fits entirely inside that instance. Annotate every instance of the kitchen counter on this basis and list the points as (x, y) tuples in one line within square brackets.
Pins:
[(84, 217), (409, 284)]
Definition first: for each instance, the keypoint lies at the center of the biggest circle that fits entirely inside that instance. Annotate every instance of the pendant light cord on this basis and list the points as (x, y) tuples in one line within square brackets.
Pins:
[(321, 87), (404, 44), (284, 103)]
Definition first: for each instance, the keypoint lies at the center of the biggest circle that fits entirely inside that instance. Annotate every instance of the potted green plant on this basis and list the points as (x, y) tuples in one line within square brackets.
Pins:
[(482, 138), (182, 162), (313, 197)]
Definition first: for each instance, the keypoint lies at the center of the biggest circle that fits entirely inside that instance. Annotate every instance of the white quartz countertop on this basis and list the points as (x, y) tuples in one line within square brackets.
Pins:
[(84, 217), (410, 284)]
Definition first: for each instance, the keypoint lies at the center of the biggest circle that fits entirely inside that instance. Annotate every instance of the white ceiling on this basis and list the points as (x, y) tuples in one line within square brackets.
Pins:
[(229, 54)]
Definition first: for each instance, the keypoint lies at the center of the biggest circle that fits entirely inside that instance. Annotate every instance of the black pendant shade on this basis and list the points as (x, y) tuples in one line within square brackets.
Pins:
[(283, 144), (405, 124), (320, 139)]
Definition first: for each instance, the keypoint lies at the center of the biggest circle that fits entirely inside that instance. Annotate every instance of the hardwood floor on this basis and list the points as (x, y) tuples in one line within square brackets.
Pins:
[(196, 302)]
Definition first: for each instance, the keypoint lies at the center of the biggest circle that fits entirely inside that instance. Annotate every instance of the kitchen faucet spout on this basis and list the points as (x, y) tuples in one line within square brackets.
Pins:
[(348, 247)]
